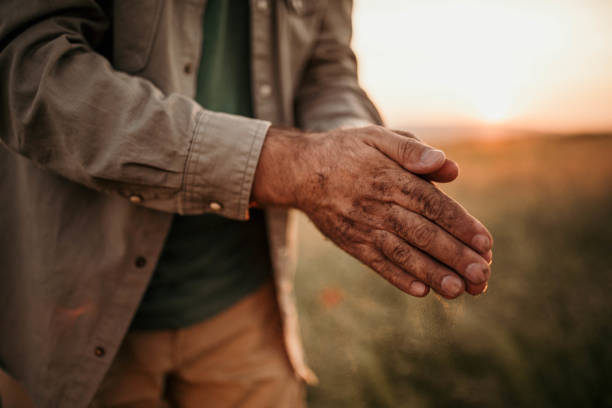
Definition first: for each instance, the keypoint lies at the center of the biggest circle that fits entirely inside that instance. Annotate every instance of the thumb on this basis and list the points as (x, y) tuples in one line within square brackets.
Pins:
[(407, 151)]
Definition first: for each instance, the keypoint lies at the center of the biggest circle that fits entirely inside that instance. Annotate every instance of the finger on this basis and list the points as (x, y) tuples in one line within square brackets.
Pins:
[(420, 265), (476, 290), (385, 268), (405, 133), (449, 170), (427, 200), (354, 236), (488, 256), (447, 173), (421, 233), (408, 152)]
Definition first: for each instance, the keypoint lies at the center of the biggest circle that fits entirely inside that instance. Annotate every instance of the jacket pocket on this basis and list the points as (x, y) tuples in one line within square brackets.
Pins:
[(135, 23)]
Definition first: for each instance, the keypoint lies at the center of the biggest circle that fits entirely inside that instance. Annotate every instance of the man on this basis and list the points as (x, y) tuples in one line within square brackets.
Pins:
[(141, 139)]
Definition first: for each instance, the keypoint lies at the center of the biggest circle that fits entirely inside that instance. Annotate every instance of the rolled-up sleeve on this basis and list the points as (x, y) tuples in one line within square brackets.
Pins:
[(221, 164)]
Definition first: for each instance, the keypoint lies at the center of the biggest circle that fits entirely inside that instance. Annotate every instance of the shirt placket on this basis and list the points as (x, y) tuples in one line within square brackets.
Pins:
[(264, 87), (191, 45)]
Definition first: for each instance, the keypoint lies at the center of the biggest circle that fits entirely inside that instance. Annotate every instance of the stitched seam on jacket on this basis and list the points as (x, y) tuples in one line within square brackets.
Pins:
[(195, 189), (184, 198), (145, 57)]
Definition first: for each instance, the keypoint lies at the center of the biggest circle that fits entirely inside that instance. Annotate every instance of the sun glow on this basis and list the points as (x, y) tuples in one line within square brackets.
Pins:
[(491, 113), (528, 63)]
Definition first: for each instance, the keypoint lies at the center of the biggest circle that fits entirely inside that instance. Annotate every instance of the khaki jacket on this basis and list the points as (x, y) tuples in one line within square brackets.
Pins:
[(102, 142)]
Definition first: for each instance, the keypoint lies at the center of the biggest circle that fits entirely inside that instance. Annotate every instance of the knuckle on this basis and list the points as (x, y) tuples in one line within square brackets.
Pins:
[(423, 235), (433, 206), (380, 239), (406, 150), (365, 207), (378, 264), (362, 251), (401, 254), (396, 225), (381, 187), (342, 230), (450, 214), (411, 190)]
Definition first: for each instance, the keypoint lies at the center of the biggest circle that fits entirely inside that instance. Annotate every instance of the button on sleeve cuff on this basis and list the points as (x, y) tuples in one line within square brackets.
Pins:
[(221, 164)]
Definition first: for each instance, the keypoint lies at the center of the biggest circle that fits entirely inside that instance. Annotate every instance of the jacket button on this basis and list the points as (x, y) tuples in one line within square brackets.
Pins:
[(99, 351), (298, 5), (215, 206), (188, 68), (265, 90), (262, 5), (135, 198), (140, 262)]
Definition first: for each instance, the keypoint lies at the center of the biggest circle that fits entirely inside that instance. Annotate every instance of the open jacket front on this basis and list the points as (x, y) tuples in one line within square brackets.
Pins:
[(102, 142)]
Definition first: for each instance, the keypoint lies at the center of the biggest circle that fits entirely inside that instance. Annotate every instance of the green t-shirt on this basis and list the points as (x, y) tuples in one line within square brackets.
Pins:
[(209, 262)]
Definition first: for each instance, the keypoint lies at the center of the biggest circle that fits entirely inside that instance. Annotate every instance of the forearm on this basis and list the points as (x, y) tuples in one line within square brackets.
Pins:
[(281, 167), (65, 108)]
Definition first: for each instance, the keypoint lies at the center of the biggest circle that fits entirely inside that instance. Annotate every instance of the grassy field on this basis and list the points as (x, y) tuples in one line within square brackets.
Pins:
[(540, 337)]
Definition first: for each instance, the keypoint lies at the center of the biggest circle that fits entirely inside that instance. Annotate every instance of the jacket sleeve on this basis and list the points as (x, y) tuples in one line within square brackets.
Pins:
[(329, 95), (64, 107)]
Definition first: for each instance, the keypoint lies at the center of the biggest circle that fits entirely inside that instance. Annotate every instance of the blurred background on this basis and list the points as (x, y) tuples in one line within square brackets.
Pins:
[(520, 94)]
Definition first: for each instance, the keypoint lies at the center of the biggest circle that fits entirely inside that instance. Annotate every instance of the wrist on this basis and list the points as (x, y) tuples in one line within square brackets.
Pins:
[(282, 168)]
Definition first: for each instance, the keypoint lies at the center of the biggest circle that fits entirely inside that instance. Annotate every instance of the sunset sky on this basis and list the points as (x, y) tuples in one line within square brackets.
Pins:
[(533, 64)]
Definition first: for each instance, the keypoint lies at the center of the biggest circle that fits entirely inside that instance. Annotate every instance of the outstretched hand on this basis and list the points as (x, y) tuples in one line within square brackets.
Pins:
[(368, 190)]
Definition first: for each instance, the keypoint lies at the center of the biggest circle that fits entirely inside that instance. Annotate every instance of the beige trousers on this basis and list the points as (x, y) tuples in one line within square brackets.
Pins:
[(235, 359)]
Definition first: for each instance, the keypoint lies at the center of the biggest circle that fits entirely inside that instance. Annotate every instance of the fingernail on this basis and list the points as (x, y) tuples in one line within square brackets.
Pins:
[(418, 288), (488, 257), (485, 289), (476, 273), (452, 285), (432, 156), (481, 243)]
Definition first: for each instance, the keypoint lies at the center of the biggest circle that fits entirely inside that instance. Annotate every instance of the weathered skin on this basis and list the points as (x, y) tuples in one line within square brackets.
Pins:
[(369, 190)]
